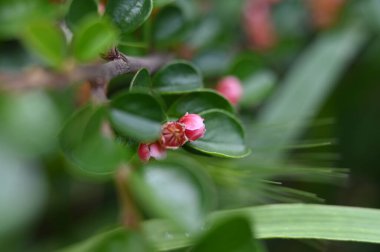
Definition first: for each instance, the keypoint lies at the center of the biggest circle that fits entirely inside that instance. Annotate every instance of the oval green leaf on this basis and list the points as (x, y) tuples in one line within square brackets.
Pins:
[(176, 190), (128, 14), (137, 115), (86, 146), (141, 80), (47, 41), (92, 37), (177, 77), (78, 10), (169, 25), (199, 101), (224, 136)]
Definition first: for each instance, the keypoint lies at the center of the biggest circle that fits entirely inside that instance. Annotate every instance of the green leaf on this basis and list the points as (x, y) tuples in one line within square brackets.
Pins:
[(169, 25), (141, 80), (115, 240), (92, 37), (160, 3), (79, 10), (175, 190), (177, 77), (232, 235), (199, 101), (257, 87), (303, 90), (47, 41), (137, 115), (86, 146), (287, 221), (129, 14), (224, 136)]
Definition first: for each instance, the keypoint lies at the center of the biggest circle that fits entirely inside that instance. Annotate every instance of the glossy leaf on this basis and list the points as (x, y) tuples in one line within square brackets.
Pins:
[(141, 80), (175, 190), (232, 235), (199, 101), (79, 10), (257, 87), (84, 144), (177, 77), (128, 14), (137, 115), (47, 41), (169, 25), (224, 136), (93, 37), (115, 240)]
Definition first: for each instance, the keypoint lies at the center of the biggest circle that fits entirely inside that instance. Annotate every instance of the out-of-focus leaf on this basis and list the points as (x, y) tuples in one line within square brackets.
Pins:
[(224, 136), (305, 87), (141, 80), (283, 221), (115, 240), (177, 77), (175, 190), (87, 147), (22, 192), (92, 37), (160, 3), (233, 235), (199, 101), (213, 62), (169, 25), (47, 41), (257, 88), (128, 14), (29, 122), (79, 10), (137, 115)]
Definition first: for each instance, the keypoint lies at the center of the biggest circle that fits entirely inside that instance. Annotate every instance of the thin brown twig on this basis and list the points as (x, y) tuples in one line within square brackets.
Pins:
[(98, 73)]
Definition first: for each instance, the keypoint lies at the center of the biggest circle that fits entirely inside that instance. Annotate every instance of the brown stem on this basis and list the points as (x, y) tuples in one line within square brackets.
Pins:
[(130, 215), (40, 77)]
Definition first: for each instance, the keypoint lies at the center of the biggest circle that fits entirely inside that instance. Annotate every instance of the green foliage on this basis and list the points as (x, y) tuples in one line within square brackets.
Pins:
[(128, 14), (79, 10), (47, 41), (92, 37), (177, 77), (141, 80), (137, 115)]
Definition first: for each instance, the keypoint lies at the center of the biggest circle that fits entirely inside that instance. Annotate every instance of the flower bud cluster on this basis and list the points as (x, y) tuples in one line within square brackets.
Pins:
[(174, 134)]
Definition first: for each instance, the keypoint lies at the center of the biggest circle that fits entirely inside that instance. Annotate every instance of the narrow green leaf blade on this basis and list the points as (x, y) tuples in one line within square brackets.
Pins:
[(216, 141), (305, 87), (199, 101), (128, 14), (137, 115), (177, 77)]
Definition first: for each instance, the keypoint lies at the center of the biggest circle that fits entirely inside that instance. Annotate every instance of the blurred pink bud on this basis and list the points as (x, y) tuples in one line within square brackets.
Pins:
[(231, 88), (173, 135), (154, 150), (194, 126)]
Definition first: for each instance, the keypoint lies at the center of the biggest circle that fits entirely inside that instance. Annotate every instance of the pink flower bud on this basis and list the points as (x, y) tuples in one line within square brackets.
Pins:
[(173, 135), (194, 126), (154, 150), (230, 88)]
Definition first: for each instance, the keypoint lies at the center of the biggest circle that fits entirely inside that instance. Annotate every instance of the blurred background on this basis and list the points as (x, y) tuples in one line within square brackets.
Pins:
[(310, 64)]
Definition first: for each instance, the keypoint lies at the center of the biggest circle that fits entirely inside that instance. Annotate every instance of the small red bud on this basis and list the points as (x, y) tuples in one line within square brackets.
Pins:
[(230, 88), (154, 150), (173, 135), (194, 126)]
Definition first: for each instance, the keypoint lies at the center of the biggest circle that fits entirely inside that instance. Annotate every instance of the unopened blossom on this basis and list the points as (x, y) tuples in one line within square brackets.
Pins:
[(194, 126), (151, 150), (173, 135), (231, 88)]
